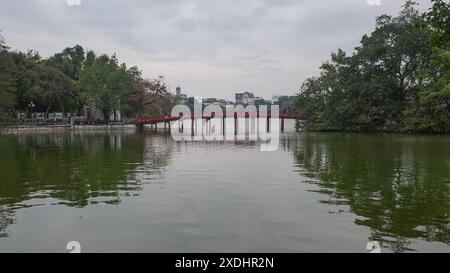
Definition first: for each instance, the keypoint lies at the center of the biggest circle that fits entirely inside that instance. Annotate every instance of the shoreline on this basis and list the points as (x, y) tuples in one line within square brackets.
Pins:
[(129, 127), (380, 132), (63, 128)]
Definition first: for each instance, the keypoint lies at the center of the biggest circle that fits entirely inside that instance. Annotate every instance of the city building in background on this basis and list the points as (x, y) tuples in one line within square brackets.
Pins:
[(245, 98)]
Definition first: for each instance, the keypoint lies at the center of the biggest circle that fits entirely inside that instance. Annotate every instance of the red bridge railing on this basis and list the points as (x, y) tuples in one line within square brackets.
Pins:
[(168, 118)]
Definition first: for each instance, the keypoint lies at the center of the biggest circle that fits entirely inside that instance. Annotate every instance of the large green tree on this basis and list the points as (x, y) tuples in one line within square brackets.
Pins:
[(50, 89), (432, 112), (7, 78), (7, 81), (24, 63), (395, 80), (70, 61), (105, 84)]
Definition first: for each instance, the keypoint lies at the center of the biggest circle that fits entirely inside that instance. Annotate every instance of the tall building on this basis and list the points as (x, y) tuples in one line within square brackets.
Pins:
[(180, 95), (245, 98)]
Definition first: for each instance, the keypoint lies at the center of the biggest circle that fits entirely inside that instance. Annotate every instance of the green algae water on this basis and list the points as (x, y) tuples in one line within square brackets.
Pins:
[(143, 192)]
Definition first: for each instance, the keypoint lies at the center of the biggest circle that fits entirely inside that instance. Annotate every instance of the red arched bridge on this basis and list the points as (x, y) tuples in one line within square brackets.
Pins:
[(167, 119)]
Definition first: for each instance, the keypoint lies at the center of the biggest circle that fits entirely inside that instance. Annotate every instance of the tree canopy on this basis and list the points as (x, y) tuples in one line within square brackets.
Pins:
[(72, 79), (106, 84), (396, 80), (8, 73)]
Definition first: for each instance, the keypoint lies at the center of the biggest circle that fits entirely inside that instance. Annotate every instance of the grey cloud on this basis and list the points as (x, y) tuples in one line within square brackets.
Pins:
[(212, 47)]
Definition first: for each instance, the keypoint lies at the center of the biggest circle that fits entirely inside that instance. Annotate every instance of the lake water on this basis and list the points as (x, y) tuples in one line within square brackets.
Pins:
[(143, 192)]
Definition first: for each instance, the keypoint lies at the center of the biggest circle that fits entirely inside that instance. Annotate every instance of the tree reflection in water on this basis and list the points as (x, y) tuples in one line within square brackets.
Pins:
[(75, 169), (398, 186)]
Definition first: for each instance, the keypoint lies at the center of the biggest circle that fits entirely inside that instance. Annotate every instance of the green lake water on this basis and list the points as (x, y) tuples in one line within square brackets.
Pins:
[(143, 192)]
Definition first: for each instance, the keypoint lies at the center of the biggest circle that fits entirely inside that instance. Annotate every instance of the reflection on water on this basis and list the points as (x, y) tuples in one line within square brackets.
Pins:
[(75, 170), (398, 186), (128, 191)]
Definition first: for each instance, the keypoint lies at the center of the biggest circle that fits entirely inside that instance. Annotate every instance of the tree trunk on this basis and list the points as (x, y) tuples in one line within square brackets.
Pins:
[(46, 112), (106, 113)]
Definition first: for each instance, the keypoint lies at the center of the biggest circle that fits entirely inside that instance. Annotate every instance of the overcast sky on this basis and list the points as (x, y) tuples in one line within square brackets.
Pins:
[(210, 48)]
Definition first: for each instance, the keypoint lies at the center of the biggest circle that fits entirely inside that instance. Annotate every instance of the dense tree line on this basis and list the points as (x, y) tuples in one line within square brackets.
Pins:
[(398, 79), (72, 79)]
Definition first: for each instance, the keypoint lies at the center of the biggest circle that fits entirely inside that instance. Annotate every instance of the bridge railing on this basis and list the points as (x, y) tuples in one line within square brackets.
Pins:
[(169, 118)]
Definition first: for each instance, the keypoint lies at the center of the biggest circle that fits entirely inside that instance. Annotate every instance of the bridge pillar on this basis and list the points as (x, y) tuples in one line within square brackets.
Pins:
[(282, 125), (209, 127), (223, 125)]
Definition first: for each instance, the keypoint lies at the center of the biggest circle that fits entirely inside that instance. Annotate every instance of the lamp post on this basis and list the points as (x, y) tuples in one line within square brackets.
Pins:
[(32, 106)]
